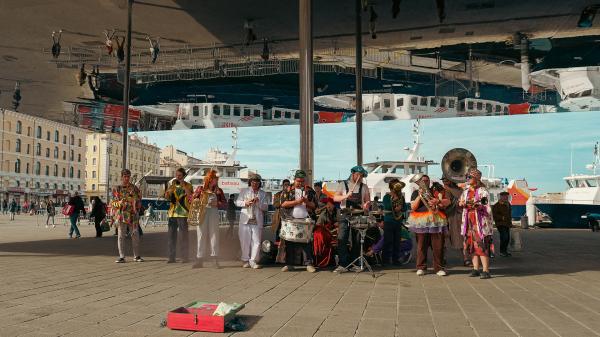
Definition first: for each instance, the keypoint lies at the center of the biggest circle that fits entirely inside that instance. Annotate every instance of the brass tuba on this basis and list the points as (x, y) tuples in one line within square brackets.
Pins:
[(198, 206), (397, 189), (456, 164), (424, 190)]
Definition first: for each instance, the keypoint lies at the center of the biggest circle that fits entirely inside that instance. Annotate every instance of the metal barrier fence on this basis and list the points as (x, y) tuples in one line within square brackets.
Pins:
[(161, 218)]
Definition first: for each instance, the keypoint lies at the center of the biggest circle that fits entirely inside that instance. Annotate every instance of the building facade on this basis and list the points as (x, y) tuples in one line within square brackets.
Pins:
[(39, 158), (171, 159), (104, 162)]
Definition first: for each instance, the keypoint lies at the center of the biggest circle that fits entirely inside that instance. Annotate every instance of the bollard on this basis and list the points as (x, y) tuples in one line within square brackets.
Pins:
[(524, 222)]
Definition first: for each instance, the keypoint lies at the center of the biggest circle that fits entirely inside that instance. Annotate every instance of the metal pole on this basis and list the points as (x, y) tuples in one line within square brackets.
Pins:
[(306, 88), (125, 115), (358, 72)]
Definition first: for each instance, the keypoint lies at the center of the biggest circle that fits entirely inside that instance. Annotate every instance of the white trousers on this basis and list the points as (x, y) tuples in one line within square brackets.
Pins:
[(135, 240), (250, 241), (208, 232)]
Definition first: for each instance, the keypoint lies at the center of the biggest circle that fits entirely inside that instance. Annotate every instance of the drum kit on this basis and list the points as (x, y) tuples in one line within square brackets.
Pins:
[(361, 223)]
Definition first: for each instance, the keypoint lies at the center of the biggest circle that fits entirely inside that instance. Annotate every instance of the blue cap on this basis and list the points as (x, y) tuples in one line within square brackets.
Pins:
[(359, 169)]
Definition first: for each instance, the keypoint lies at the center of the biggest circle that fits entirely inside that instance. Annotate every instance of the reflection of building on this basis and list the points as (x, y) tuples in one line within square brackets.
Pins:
[(103, 148), (39, 157), (171, 159)]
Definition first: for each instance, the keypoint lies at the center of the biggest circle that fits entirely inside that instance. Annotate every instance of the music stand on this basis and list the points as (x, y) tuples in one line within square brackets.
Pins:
[(361, 260)]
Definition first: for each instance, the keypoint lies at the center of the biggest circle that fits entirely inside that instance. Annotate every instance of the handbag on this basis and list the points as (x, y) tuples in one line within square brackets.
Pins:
[(68, 210), (104, 226)]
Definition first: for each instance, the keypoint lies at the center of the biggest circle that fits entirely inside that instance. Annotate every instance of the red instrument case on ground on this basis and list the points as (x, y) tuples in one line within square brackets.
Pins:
[(198, 316)]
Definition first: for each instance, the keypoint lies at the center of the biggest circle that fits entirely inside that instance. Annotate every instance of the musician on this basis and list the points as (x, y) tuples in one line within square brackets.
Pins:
[(353, 194), (477, 226), (320, 197), (178, 195), (276, 218), (127, 200), (393, 216), (324, 234), (453, 212), (296, 203), (208, 230), (253, 201), (428, 222)]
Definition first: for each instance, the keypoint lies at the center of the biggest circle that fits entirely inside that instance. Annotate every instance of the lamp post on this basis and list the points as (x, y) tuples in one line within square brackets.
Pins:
[(108, 151)]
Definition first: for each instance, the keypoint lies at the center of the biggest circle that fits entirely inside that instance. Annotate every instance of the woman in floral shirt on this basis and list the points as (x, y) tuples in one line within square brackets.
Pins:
[(125, 207)]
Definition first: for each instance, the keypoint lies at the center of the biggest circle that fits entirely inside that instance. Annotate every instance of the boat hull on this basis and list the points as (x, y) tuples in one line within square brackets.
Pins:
[(567, 215)]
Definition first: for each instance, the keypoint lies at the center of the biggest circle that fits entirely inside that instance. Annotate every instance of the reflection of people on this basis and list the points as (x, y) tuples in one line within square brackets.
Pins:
[(296, 203), (477, 224), (56, 44), (154, 48), (125, 205), (253, 201), (429, 224), (353, 194), (208, 231), (178, 195), (503, 219)]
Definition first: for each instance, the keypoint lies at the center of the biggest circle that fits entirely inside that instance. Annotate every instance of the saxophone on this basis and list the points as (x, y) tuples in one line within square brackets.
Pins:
[(198, 206)]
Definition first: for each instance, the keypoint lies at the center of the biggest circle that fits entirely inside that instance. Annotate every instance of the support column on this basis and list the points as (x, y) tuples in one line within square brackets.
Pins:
[(306, 89), (125, 115), (358, 72)]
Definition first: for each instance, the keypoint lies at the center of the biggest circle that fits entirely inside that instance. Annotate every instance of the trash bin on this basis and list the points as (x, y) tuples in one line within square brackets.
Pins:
[(524, 222)]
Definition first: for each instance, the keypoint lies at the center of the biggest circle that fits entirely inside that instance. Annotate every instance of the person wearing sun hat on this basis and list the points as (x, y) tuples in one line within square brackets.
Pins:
[(297, 203), (352, 194), (253, 202)]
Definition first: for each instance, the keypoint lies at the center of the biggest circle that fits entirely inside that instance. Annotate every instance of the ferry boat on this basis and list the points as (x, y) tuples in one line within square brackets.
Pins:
[(390, 106), (582, 196)]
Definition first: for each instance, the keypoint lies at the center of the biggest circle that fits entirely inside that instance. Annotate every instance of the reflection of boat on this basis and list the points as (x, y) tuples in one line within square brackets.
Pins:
[(577, 86), (582, 196), (389, 106)]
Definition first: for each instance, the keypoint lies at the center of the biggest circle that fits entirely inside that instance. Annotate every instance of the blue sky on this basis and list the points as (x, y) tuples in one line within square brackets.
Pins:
[(535, 147)]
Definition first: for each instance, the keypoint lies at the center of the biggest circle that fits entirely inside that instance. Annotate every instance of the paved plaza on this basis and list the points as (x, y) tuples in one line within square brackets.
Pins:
[(53, 286)]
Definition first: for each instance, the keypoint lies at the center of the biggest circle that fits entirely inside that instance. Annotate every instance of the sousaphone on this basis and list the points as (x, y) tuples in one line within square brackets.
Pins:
[(457, 163)]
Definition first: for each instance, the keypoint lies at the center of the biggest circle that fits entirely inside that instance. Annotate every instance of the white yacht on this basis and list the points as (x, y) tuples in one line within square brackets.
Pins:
[(581, 197)]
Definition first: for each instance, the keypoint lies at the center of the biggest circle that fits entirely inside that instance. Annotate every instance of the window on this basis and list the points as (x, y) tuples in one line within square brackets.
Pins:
[(433, 101), (226, 110), (18, 145), (592, 183), (488, 107), (246, 112), (28, 131), (413, 100), (47, 186), (18, 166), (47, 135), (27, 168), (56, 136), (498, 108), (216, 110), (195, 111), (19, 127), (38, 132), (64, 173), (236, 110), (288, 114), (55, 186), (56, 152), (37, 185), (64, 155), (442, 102), (72, 140), (423, 101), (400, 102), (451, 104), (70, 173), (277, 114), (47, 152), (479, 106), (386, 103), (55, 170), (64, 139), (377, 106), (93, 174), (470, 105), (256, 113), (296, 115), (79, 142), (505, 110), (94, 161), (78, 174), (461, 106), (47, 170), (79, 157), (38, 149), (72, 156), (28, 148), (63, 186), (94, 148), (38, 167), (93, 187)]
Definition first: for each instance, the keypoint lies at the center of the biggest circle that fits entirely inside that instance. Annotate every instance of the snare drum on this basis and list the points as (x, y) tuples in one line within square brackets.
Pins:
[(297, 230), (362, 221)]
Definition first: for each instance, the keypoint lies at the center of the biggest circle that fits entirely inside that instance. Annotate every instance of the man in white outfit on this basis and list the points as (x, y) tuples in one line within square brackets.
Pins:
[(254, 203)]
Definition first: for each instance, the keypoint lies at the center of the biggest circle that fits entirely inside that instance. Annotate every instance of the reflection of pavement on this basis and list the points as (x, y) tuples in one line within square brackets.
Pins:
[(54, 286)]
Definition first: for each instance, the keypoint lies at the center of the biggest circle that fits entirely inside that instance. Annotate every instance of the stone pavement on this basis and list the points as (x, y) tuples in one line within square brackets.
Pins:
[(53, 286)]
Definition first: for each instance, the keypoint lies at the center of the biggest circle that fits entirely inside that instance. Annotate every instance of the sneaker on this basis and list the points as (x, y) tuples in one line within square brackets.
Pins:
[(257, 266), (420, 272), (197, 264), (246, 265), (311, 269), (474, 273), (441, 273), (340, 270), (138, 259), (120, 260), (505, 254), (485, 275), (287, 268), (78, 236)]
